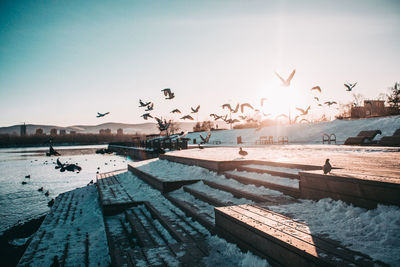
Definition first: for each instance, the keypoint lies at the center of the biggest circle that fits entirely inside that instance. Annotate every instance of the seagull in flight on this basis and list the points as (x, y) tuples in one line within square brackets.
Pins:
[(316, 98), (286, 82), (146, 116), (99, 115), (187, 117), (195, 110), (350, 86), (176, 111), (330, 103), (317, 88), (167, 92), (242, 106), (142, 104), (304, 112), (149, 107)]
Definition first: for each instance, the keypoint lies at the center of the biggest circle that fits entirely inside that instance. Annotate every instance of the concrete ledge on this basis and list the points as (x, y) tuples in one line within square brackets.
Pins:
[(287, 242), (162, 186), (273, 173), (354, 189)]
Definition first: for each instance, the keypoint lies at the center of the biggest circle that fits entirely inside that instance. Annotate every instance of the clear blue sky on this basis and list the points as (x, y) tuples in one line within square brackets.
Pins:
[(63, 61)]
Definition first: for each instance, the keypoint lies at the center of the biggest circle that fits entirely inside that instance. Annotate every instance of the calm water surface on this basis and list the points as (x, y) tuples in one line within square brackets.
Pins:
[(20, 202)]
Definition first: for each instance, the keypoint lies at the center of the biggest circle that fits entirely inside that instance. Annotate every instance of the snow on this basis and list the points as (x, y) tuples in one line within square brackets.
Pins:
[(373, 232), (310, 133), (267, 178), (273, 168), (66, 223)]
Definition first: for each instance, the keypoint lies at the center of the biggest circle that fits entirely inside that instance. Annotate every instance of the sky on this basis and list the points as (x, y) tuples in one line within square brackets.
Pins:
[(61, 62)]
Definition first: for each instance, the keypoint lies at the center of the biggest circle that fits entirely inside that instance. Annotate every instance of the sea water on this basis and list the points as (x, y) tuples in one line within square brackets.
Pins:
[(19, 203)]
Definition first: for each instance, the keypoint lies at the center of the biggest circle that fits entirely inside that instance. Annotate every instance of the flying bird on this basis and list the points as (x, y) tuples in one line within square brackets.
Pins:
[(317, 88), (327, 167), (146, 116), (176, 111), (350, 86), (242, 152), (149, 107), (195, 110), (304, 112), (262, 101), (330, 103), (187, 117), (228, 106), (242, 106), (286, 82), (168, 93), (316, 98), (99, 115), (142, 104)]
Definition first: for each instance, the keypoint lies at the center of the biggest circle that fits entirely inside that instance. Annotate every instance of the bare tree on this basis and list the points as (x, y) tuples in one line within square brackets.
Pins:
[(357, 100), (394, 99)]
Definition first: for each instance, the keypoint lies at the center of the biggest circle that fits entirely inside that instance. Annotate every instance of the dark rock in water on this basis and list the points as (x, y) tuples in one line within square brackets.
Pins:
[(50, 203)]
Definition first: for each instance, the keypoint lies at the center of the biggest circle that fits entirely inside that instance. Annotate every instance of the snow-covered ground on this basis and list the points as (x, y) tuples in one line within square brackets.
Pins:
[(267, 178), (373, 232), (310, 133), (222, 253), (273, 168), (71, 225)]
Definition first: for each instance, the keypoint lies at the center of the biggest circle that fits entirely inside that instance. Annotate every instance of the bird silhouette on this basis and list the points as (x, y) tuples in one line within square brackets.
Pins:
[(149, 107), (216, 117), (242, 106), (28, 176), (99, 115), (242, 152), (176, 111), (286, 82), (205, 140), (330, 103), (195, 110), (228, 106), (327, 167), (317, 88), (236, 109), (168, 93), (304, 112), (142, 104), (146, 116), (262, 101), (187, 117), (349, 86), (316, 98)]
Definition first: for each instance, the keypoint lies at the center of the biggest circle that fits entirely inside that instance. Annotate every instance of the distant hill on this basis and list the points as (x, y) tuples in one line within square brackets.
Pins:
[(143, 128)]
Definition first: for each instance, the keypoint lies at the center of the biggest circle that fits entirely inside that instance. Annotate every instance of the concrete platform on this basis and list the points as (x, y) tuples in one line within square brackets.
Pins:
[(161, 185), (134, 152), (282, 240), (355, 188)]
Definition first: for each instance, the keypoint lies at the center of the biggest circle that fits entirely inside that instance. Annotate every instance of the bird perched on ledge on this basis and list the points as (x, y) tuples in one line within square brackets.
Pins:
[(242, 152), (327, 167)]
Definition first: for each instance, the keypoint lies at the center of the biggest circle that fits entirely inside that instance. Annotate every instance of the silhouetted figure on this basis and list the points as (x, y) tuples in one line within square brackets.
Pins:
[(242, 106), (327, 167), (187, 117), (349, 86), (176, 111), (167, 92), (304, 112), (99, 115), (242, 152), (55, 262), (195, 110), (50, 203), (317, 88), (47, 193), (143, 104), (52, 152)]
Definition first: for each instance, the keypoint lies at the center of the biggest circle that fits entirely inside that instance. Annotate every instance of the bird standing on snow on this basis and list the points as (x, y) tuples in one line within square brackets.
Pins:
[(327, 167), (242, 152)]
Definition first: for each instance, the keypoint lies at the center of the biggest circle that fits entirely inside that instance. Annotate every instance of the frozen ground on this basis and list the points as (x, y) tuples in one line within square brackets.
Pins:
[(21, 202), (310, 133), (267, 178), (273, 168), (381, 162), (373, 232)]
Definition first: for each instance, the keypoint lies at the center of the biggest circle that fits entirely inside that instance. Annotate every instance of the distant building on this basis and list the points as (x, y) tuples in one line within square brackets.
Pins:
[(371, 108), (53, 131), (63, 132), (120, 131), (39, 131), (23, 130), (107, 131), (72, 132)]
